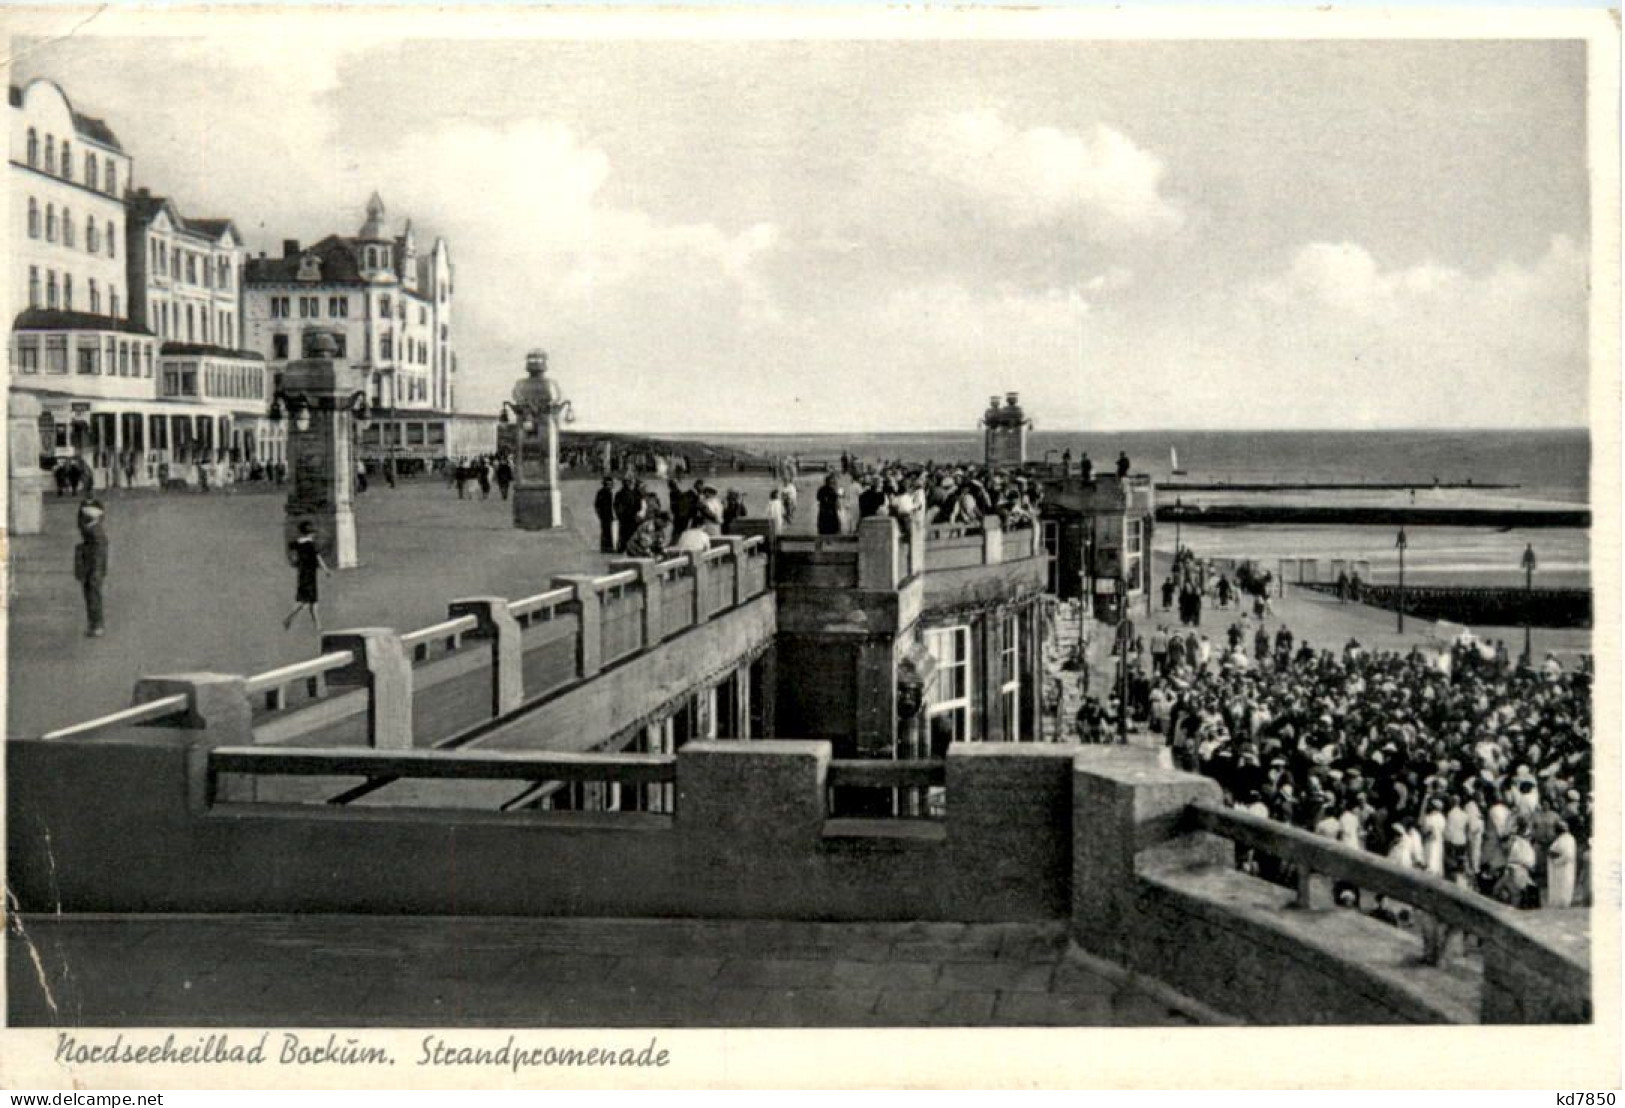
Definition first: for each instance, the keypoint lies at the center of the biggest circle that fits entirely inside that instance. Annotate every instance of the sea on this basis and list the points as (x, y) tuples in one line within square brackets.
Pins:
[(1541, 468)]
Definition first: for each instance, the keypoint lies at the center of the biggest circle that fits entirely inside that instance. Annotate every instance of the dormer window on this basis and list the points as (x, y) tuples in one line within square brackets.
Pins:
[(310, 267)]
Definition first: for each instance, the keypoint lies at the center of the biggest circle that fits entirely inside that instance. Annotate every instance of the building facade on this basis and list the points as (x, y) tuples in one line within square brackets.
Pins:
[(390, 307), (128, 328)]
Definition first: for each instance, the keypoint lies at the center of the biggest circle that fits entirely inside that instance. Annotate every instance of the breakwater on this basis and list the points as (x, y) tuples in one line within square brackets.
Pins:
[(1484, 607), (1366, 516)]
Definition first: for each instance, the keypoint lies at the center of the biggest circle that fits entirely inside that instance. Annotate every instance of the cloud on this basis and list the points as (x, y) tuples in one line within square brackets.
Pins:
[(1098, 180)]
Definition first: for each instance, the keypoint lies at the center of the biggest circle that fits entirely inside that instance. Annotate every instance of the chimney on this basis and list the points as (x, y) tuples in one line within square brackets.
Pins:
[(290, 248)]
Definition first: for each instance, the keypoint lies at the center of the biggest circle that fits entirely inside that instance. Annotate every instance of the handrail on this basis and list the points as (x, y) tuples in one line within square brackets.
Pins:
[(1450, 904), (752, 543), (550, 598), (673, 565), (716, 553), (298, 671), (459, 625), (881, 773), (138, 713), (610, 581), (487, 765), (952, 531)]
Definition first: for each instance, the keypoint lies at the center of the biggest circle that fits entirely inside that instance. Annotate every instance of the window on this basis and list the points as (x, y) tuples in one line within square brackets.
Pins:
[(386, 347), (279, 346), (161, 263), (33, 286), (383, 306), (279, 307), (50, 154), (27, 354), (112, 250), (123, 359), (67, 227), (112, 177), (95, 298), (67, 160), (112, 301), (90, 169), (50, 223), (310, 307), (33, 218), (191, 330), (948, 718), (338, 306), (90, 357), (146, 357), (423, 315), (93, 238), (203, 322), (50, 288), (67, 291), (56, 353), (1010, 675), (33, 148), (224, 273), (208, 277)]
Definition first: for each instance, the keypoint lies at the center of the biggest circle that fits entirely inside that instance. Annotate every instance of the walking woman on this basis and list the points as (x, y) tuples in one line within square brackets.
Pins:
[(306, 560), (829, 505)]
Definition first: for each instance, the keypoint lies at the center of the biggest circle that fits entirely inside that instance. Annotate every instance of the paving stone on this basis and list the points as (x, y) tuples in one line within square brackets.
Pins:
[(884, 975), (676, 972), (1027, 1009), (771, 973), (935, 1008), (1006, 976), (844, 1007), (1070, 977)]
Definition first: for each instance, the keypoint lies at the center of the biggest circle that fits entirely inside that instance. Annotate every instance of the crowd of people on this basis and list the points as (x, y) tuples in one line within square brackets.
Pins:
[(633, 521), (1459, 762), (946, 493)]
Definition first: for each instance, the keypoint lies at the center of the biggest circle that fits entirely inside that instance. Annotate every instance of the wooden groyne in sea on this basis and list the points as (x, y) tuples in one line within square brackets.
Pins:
[(1366, 516)]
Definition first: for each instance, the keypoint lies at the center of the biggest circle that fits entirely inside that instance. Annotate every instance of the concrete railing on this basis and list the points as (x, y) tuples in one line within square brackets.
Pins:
[(1501, 933), (490, 657), (1110, 839), (1156, 888)]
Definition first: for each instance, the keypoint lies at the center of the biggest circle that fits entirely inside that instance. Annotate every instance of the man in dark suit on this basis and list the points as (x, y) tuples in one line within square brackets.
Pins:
[(604, 506)]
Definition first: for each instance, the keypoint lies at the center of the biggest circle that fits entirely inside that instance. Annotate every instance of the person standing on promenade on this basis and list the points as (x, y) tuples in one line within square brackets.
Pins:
[(1122, 464), (628, 505), (775, 512), (504, 475), (482, 474), (360, 476), (788, 494), (90, 563), (603, 505), (1562, 859), (829, 506), (306, 560)]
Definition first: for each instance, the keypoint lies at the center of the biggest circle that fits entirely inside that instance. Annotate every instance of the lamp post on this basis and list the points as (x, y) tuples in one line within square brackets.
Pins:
[(1401, 543), (1179, 512), (537, 406), (1125, 632), (1529, 601)]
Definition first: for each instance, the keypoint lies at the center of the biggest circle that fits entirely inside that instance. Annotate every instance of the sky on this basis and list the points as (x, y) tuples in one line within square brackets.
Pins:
[(878, 235)]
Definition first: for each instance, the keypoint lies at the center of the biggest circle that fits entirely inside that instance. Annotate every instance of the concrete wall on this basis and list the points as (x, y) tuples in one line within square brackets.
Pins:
[(122, 824)]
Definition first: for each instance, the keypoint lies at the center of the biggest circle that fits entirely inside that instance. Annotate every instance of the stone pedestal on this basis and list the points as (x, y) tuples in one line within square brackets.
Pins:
[(25, 483), (538, 503), (321, 463)]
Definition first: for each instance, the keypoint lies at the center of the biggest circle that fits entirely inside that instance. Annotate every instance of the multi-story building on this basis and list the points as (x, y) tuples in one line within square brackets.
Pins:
[(389, 306), (129, 326), (186, 286), (73, 343)]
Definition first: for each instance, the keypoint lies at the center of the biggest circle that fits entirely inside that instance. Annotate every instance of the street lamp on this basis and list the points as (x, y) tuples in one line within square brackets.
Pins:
[(1401, 543), (538, 405), (1529, 601)]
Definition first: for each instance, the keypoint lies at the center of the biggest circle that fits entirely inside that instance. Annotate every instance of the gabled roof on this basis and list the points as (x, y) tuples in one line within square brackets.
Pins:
[(145, 207), (89, 127), (338, 257)]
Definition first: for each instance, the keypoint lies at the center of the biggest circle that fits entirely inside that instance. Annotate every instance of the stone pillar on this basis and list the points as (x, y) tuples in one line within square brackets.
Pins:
[(916, 545), (876, 731), (218, 708), (877, 553), (1125, 802), (767, 794), (735, 567), (1009, 825), (320, 391), (992, 541), (382, 667), (751, 527), (702, 580), (742, 701), (584, 591), (25, 482), (648, 571), (498, 626)]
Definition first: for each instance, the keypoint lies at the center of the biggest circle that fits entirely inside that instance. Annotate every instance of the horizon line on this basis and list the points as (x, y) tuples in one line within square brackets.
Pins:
[(1128, 431)]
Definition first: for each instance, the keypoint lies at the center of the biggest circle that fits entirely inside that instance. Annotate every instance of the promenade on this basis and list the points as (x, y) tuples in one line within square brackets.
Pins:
[(353, 971), (201, 582)]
